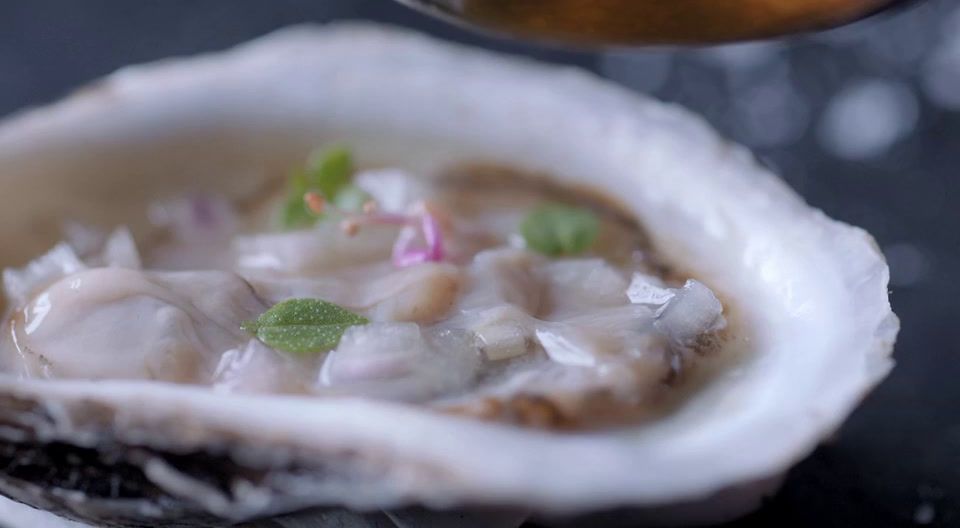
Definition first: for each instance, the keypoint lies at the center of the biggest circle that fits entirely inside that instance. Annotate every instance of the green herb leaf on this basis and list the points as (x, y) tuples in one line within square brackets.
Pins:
[(557, 230), (330, 171), (327, 172), (303, 326), (294, 213)]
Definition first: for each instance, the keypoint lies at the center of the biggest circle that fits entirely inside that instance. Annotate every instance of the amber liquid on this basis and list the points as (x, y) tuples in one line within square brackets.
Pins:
[(637, 22)]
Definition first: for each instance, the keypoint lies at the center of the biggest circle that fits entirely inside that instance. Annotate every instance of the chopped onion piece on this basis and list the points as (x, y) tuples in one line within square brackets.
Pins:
[(374, 352), (504, 341), (83, 238), (583, 339), (576, 285), (256, 368), (120, 250), (423, 294), (400, 361), (567, 346), (201, 228), (647, 289), (682, 314), (504, 276), (693, 311), (97, 249), (405, 251), (22, 284), (504, 332), (323, 248), (394, 190), (195, 217), (628, 318)]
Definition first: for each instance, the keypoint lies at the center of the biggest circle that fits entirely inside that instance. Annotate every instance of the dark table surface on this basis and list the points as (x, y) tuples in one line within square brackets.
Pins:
[(863, 121)]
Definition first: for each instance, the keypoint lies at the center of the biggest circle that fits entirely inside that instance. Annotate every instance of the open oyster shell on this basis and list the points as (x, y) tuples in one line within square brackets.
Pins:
[(808, 296)]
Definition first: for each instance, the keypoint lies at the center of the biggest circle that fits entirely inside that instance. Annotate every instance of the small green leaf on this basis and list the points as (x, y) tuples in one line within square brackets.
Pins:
[(294, 213), (330, 171), (303, 326), (557, 230)]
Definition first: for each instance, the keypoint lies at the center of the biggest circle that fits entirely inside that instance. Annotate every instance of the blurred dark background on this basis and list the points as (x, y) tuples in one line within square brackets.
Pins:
[(863, 121)]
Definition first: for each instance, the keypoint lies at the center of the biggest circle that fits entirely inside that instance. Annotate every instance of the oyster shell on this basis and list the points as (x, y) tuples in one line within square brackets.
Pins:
[(808, 295)]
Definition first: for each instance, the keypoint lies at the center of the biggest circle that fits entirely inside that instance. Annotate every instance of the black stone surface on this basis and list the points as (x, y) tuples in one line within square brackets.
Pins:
[(897, 461)]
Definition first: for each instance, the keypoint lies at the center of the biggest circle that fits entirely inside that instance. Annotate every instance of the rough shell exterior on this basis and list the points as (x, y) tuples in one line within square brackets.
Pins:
[(812, 292)]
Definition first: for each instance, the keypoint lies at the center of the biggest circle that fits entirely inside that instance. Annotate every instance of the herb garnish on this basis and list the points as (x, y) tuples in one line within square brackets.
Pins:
[(558, 230), (303, 326), (328, 173), (324, 189)]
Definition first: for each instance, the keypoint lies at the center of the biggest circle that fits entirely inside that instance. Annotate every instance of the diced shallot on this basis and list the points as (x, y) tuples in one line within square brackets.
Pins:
[(22, 284), (400, 361), (255, 368)]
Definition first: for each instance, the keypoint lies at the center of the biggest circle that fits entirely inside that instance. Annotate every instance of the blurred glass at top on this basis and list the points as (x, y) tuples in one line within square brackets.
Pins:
[(642, 22)]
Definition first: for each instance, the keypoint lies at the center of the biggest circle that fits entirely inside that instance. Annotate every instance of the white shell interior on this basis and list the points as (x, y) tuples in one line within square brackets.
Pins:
[(811, 291)]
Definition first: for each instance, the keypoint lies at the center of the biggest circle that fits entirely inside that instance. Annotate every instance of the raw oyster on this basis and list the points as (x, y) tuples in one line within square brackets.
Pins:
[(810, 329)]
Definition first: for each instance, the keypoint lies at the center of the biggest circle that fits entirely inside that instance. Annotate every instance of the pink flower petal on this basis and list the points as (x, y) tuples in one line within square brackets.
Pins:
[(434, 237)]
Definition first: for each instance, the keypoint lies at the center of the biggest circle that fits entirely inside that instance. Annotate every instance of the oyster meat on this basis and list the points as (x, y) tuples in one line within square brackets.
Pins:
[(535, 292)]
